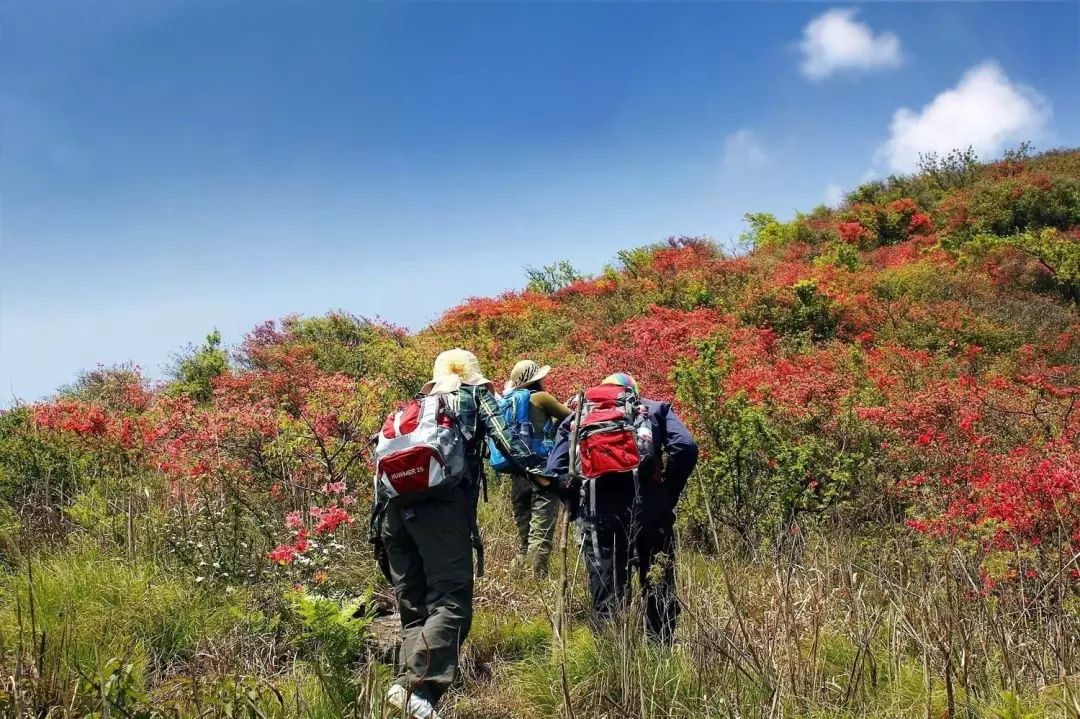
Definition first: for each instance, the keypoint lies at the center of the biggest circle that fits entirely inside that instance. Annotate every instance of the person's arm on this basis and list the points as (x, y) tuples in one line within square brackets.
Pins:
[(558, 467), (682, 454), (510, 445), (552, 407), (558, 462)]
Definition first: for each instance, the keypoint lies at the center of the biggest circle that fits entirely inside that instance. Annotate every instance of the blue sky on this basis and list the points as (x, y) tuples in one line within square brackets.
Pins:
[(171, 167)]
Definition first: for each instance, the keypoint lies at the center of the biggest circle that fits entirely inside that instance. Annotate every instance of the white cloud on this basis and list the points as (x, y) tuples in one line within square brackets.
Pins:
[(984, 111), (743, 151), (834, 41), (834, 194)]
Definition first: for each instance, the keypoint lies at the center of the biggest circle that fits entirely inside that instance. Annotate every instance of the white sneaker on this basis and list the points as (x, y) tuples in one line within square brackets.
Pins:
[(419, 708)]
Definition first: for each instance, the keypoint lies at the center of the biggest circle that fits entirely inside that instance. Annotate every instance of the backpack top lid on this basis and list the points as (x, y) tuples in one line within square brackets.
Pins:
[(405, 420), (607, 404), (609, 396)]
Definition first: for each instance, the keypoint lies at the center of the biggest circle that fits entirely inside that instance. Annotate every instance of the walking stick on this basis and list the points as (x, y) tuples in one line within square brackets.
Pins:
[(564, 537), (560, 613)]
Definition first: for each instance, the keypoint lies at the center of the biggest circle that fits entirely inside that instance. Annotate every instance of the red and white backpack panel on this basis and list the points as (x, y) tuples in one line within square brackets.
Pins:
[(420, 450)]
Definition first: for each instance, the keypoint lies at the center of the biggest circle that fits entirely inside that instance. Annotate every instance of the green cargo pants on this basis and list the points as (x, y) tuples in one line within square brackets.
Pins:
[(535, 514), (431, 565)]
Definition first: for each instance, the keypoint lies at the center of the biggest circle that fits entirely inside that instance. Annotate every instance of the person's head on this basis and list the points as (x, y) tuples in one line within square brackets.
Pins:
[(623, 380), (452, 369), (528, 373)]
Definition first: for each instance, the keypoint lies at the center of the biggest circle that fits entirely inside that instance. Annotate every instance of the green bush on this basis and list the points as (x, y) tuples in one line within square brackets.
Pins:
[(1025, 203), (36, 472), (196, 369), (766, 231), (799, 310), (839, 254), (1056, 253)]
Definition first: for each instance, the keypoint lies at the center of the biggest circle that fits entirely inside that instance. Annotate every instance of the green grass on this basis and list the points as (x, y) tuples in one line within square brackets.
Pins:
[(85, 608), (164, 641), (609, 675), (503, 638)]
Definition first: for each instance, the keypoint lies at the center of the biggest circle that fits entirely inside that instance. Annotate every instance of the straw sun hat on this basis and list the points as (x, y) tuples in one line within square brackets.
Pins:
[(452, 369), (526, 372)]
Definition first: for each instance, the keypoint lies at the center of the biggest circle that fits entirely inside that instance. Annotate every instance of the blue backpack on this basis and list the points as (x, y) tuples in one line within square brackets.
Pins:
[(514, 408)]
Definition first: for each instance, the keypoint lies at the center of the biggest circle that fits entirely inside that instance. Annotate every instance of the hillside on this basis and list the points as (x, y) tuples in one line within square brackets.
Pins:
[(885, 521)]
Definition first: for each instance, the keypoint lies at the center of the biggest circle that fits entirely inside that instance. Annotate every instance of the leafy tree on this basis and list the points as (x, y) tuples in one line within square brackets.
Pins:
[(767, 231), (196, 370), (953, 170), (634, 262), (119, 387), (801, 309), (552, 278)]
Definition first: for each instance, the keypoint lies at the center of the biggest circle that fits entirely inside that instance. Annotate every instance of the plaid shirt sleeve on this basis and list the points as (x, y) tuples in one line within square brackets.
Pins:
[(487, 410)]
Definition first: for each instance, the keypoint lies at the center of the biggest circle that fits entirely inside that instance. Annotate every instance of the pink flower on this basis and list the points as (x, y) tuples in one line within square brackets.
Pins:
[(283, 554), (330, 518)]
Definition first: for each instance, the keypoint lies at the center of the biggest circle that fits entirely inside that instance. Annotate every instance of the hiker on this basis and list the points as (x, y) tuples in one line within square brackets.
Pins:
[(634, 456), (427, 477), (534, 415)]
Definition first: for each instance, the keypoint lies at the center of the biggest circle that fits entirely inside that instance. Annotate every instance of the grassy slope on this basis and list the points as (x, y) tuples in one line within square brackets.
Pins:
[(844, 622)]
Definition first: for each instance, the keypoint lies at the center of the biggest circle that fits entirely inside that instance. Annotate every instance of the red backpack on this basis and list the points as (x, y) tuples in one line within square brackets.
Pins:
[(614, 436), (420, 451)]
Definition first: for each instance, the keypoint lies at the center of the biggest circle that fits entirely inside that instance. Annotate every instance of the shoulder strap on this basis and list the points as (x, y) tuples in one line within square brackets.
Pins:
[(450, 405)]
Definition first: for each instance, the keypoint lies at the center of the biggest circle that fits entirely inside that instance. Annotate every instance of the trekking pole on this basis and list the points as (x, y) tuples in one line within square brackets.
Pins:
[(564, 579), (564, 537)]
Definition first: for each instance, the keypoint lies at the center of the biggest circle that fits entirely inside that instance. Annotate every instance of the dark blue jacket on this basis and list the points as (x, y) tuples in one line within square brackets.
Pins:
[(676, 450)]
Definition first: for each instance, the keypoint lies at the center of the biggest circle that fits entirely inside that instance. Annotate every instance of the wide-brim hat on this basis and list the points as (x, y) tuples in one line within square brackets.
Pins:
[(452, 369), (526, 372)]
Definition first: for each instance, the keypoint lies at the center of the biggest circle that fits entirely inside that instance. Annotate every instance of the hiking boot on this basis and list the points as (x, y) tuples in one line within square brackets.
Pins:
[(418, 707)]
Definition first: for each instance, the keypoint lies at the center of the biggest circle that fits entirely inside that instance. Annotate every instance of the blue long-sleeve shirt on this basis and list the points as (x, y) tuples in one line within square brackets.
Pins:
[(676, 450)]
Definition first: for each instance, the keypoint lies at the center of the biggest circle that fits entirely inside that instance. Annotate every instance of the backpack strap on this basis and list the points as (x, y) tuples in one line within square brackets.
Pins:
[(477, 540), (382, 558)]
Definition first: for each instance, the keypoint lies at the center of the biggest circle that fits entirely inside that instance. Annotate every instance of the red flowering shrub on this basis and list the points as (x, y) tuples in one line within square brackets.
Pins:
[(898, 356), (869, 225), (777, 435), (987, 459), (586, 288), (683, 254), (853, 233), (478, 312), (269, 440), (647, 347)]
